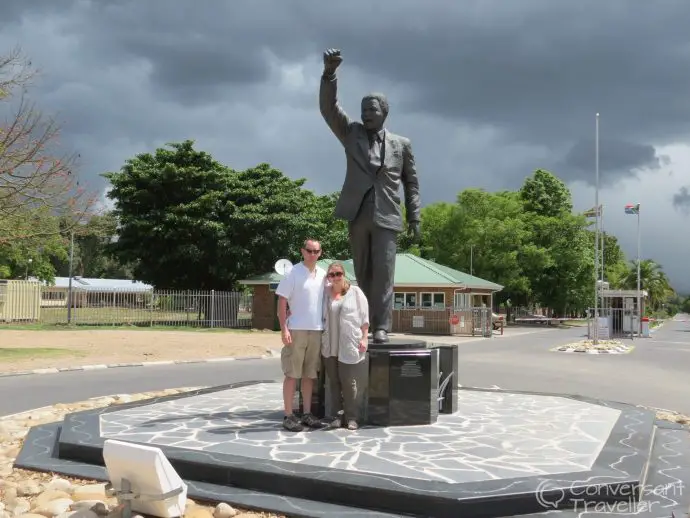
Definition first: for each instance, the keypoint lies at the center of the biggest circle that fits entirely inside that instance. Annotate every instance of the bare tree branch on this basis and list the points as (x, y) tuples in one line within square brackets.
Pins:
[(34, 179)]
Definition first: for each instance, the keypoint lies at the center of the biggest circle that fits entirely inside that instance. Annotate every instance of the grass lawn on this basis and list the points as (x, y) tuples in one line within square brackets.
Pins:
[(574, 323), (9, 354)]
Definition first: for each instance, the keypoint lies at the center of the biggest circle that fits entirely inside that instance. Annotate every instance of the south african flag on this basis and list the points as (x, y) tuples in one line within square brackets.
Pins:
[(632, 209)]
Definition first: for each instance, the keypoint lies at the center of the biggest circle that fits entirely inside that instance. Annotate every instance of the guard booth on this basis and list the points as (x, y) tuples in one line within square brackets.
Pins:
[(618, 315)]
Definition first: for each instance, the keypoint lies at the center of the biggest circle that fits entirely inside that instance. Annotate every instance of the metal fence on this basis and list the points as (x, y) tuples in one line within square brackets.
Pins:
[(444, 321), (118, 307), (20, 301)]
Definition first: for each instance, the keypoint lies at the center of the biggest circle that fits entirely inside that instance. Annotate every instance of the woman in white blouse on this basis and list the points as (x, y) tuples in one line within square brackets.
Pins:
[(344, 345)]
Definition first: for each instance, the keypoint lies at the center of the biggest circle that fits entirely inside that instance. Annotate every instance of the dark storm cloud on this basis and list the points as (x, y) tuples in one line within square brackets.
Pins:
[(681, 200), (537, 69), (13, 11), (617, 159), (193, 53)]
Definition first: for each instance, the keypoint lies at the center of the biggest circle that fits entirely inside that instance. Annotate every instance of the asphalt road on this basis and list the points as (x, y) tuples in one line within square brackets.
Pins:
[(654, 374)]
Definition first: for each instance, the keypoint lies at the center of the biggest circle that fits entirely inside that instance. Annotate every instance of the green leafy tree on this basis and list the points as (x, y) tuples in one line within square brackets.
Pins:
[(563, 280), (188, 222), (673, 304), (329, 230), (615, 263), (561, 268), (493, 224), (545, 194), (437, 231), (653, 280), (269, 216), (35, 255), (168, 205), (685, 306)]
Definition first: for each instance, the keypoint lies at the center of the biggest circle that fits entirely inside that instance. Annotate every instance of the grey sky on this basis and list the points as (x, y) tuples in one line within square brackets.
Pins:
[(487, 90)]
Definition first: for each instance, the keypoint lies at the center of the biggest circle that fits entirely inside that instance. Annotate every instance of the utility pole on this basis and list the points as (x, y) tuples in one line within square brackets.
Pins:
[(471, 259)]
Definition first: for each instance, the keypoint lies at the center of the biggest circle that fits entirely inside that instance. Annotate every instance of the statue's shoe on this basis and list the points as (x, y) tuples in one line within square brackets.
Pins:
[(380, 336)]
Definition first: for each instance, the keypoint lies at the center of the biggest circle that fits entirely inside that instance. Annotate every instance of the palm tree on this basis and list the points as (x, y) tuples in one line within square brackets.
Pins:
[(652, 279)]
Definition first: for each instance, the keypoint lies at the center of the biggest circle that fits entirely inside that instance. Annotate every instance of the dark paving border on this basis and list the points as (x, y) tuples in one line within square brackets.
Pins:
[(75, 448)]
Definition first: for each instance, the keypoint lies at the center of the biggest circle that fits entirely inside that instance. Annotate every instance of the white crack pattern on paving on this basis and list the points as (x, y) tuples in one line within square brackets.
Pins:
[(498, 435)]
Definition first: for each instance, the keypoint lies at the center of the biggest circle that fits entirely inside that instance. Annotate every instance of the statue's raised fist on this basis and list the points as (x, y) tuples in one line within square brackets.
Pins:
[(331, 60)]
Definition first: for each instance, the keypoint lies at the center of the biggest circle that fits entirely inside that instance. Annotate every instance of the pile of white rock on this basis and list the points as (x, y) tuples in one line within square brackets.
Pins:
[(30, 494), (589, 347), (61, 498)]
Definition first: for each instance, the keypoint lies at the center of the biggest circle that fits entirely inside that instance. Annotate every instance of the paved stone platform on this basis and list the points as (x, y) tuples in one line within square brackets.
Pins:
[(502, 454), (495, 436)]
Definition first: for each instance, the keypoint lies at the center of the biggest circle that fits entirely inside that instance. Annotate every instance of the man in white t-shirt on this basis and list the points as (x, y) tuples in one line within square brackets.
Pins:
[(302, 290)]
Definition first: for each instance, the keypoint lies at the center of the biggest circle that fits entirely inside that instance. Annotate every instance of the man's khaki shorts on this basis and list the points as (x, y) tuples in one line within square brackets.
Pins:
[(302, 358)]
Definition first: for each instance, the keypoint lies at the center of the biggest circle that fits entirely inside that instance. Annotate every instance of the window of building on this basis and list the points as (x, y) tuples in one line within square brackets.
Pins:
[(404, 300), (435, 300), (462, 300)]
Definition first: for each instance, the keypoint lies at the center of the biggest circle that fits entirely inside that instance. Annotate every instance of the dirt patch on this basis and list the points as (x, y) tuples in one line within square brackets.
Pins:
[(89, 347)]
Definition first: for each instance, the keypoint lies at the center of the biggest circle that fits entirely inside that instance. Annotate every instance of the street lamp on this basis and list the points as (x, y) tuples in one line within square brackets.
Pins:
[(28, 265)]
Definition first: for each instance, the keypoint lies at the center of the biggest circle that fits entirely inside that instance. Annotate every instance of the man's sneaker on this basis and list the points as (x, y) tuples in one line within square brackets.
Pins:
[(311, 421), (352, 424), (291, 423)]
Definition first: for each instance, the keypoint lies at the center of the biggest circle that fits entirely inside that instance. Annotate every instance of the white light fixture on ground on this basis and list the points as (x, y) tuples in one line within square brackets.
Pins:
[(283, 266), (143, 480)]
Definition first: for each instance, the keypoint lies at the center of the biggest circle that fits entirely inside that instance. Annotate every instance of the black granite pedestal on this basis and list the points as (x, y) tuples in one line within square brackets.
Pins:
[(403, 383)]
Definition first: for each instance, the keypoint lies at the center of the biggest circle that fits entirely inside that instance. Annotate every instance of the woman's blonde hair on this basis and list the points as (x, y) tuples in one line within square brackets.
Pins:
[(346, 283)]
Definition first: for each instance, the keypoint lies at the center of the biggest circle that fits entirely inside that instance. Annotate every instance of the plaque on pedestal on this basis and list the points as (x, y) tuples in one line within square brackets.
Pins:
[(403, 385)]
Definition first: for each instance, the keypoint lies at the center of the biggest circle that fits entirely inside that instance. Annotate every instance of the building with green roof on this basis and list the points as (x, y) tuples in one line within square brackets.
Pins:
[(429, 296)]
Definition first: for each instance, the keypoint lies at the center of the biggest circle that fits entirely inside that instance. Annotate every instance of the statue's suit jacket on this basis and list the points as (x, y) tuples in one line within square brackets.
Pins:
[(398, 167)]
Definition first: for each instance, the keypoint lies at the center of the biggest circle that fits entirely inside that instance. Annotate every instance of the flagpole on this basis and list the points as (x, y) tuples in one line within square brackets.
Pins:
[(603, 235), (639, 298), (596, 234)]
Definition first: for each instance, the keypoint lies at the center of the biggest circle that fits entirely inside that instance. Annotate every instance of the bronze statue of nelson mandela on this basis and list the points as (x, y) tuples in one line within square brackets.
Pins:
[(378, 164)]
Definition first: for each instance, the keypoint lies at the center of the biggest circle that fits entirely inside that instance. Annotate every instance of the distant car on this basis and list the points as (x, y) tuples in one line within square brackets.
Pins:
[(497, 321)]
